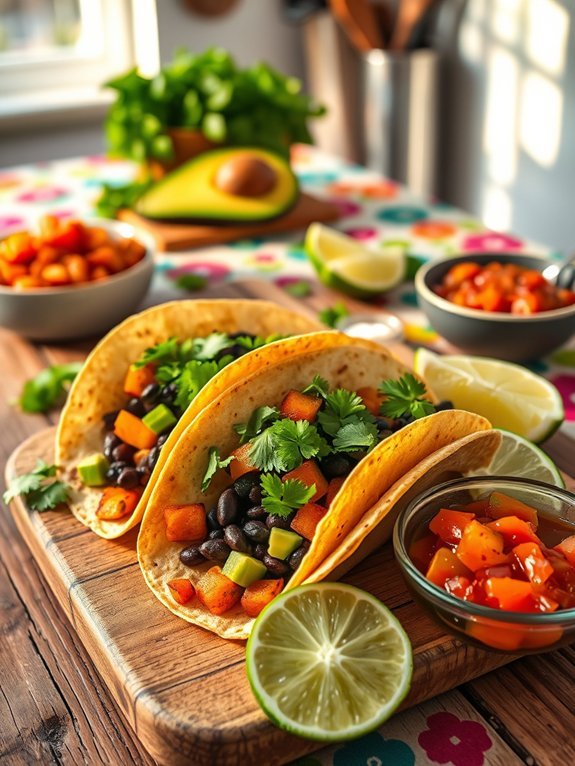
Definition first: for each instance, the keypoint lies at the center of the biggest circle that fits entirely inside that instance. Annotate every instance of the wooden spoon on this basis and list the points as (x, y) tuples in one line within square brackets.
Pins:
[(409, 15), (358, 20)]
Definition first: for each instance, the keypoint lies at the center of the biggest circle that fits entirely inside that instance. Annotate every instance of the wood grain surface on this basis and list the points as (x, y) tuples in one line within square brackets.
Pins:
[(56, 709)]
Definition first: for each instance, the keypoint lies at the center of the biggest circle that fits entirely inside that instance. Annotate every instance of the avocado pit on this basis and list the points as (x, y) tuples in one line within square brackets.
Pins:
[(245, 175)]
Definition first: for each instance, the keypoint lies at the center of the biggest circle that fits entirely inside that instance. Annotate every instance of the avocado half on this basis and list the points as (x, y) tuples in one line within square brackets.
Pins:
[(234, 184)]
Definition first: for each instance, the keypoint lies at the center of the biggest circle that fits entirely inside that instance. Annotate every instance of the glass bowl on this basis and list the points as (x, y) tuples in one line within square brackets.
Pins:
[(488, 627)]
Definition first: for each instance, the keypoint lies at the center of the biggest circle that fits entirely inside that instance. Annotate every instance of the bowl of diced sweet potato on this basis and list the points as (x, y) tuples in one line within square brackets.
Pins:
[(72, 279)]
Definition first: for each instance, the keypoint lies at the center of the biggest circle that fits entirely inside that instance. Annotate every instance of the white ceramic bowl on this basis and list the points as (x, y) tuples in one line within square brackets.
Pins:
[(81, 311)]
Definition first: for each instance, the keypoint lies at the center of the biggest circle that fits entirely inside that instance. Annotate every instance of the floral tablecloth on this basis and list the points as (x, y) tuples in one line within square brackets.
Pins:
[(448, 729)]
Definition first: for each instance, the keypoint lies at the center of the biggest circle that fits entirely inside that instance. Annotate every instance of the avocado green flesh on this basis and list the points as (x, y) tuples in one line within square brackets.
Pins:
[(243, 569), (160, 418), (189, 191), (283, 543), (92, 471)]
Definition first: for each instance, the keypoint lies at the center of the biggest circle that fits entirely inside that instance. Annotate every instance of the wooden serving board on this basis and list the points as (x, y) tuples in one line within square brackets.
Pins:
[(182, 236)]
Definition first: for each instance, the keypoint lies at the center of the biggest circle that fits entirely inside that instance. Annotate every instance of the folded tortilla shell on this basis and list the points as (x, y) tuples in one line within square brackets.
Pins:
[(180, 481)]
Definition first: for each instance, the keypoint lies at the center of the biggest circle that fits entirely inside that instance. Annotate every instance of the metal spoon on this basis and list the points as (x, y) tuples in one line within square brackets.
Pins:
[(561, 274)]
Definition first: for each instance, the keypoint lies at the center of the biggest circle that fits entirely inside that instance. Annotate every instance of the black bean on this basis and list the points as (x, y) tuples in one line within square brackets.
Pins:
[(111, 441), (162, 439), (336, 465), (228, 507), (215, 550), (445, 404), (136, 407), (256, 531), (123, 452), (276, 567), (234, 350), (296, 558), (191, 556), (260, 551), (212, 519), (153, 456), (114, 471), (109, 419), (255, 495), (216, 534), (236, 539), (246, 483), (283, 522), (169, 393), (128, 479), (257, 512), (144, 474), (151, 393)]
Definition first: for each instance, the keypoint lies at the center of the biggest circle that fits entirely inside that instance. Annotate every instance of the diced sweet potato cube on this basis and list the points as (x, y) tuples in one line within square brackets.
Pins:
[(116, 503), (444, 566), (259, 594), (139, 378), (134, 431), (422, 551), (518, 596), (333, 488), (514, 531), (480, 547), (308, 473), (371, 398), (567, 548), (503, 505), (186, 523), (307, 518), (182, 590), (298, 406), (217, 592), (533, 563), (241, 463), (140, 456), (449, 525)]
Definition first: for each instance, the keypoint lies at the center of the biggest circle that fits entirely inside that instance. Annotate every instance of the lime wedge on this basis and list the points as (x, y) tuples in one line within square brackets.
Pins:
[(328, 662), (345, 264), (510, 396), (518, 457)]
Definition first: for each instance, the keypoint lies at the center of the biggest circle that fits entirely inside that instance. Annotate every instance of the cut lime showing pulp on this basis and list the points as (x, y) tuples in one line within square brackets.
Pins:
[(346, 265), (328, 662), (510, 396), (518, 457)]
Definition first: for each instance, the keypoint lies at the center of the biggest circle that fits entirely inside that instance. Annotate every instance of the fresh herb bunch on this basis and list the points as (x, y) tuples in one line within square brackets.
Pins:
[(42, 490), (48, 389), (208, 92)]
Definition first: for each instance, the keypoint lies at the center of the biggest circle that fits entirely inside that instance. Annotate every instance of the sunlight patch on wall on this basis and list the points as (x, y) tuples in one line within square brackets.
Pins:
[(471, 43), (505, 20), (500, 127), (540, 118), (496, 208), (476, 10), (547, 35)]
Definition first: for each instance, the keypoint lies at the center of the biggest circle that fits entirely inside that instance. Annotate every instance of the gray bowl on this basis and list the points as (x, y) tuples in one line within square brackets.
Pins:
[(80, 311), (489, 333)]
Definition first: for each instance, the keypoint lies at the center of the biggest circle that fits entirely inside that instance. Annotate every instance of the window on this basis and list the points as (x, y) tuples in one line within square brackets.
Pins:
[(55, 54)]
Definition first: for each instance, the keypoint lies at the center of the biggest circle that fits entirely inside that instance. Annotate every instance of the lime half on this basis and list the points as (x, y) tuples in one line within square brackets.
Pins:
[(518, 457), (510, 396), (328, 662), (345, 264)]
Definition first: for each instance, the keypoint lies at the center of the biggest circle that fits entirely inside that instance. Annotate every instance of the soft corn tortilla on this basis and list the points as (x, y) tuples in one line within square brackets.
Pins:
[(98, 389), (349, 367)]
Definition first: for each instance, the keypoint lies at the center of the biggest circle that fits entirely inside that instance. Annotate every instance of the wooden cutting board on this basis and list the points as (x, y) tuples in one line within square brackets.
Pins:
[(184, 690), (183, 236)]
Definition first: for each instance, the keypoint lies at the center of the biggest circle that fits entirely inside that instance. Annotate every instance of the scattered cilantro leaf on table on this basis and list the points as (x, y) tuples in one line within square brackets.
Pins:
[(48, 389), (299, 289), (332, 314), (404, 397), (215, 462), (40, 487), (281, 498), (191, 282)]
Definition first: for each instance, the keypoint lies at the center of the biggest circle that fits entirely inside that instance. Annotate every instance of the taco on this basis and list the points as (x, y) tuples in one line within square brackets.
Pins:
[(143, 384), (275, 474)]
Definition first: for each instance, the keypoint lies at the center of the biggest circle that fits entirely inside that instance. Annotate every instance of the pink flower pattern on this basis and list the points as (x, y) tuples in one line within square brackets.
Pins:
[(449, 739)]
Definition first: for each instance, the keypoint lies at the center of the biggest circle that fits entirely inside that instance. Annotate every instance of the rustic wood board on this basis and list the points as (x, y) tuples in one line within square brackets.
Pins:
[(182, 236)]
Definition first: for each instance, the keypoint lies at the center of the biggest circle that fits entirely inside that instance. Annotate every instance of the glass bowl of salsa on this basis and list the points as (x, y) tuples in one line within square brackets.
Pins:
[(493, 560), (496, 304)]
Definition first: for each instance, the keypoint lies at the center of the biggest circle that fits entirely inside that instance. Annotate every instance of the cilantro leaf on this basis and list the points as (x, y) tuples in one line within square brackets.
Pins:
[(318, 385), (45, 391), (161, 353), (40, 494), (263, 453), (214, 464), (404, 397), (299, 289), (354, 436), (332, 314), (259, 419), (208, 348), (191, 282), (286, 444), (283, 497), (194, 377), (342, 407), (250, 344)]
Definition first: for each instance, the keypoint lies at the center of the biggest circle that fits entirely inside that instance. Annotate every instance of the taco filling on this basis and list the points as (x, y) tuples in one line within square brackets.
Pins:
[(291, 463), (159, 387)]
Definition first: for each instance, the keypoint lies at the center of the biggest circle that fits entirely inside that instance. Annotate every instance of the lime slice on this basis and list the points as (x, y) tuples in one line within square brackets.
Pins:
[(328, 662), (510, 396), (346, 265), (518, 457)]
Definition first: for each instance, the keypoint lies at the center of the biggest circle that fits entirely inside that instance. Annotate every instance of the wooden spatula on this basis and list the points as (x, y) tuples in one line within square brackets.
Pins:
[(359, 21), (409, 14)]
